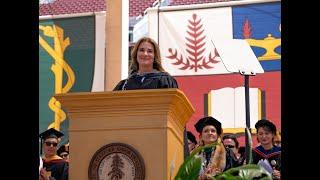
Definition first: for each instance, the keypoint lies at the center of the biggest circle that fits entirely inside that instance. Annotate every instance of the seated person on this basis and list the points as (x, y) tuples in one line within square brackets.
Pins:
[(63, 152), (213, 159), (231, 144), (266, 132), (192, 142), (241, 152)]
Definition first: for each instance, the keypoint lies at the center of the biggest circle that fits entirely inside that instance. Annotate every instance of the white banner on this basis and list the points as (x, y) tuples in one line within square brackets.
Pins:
[(185, 39), (99, 68)]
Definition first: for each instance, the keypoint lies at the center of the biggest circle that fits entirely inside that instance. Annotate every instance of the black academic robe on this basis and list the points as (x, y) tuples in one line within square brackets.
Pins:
[(231, 160), (147, 81), (58, 167), (274, 153)]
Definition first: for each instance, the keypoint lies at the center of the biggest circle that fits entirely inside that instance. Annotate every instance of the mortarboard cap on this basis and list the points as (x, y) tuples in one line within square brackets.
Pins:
[(63, 148), (191, 137), (50, 133), (208, 121), (266, 123)]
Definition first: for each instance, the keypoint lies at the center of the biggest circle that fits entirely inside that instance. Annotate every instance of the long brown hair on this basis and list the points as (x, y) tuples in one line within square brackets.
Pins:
[(134, 66)]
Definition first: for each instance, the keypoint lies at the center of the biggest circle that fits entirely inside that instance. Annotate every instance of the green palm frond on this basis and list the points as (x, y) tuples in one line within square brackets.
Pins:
[(249, 171), (190, 168)]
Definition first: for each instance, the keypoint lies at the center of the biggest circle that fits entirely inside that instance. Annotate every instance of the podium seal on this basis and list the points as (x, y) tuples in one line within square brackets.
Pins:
[(116, 161)]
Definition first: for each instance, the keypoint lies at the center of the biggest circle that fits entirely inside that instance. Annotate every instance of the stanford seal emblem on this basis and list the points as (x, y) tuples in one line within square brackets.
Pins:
[(116, 161)]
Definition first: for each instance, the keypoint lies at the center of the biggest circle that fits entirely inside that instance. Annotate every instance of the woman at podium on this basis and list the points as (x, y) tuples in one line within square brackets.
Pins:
[(146, 71)]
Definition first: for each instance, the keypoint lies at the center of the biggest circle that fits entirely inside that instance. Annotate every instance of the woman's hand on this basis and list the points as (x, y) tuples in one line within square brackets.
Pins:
[(209, 173), (43, 174), (205, 177), (276, 174), (213, 171)]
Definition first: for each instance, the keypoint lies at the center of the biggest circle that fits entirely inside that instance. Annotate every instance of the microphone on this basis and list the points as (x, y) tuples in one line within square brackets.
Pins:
[(273, 163)]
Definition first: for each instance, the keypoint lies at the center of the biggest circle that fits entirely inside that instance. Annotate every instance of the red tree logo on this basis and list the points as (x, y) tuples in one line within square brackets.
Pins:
[(195, 48)]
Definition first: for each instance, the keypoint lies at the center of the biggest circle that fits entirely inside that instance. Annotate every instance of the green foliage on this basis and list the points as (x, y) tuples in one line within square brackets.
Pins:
[(249, 171), (190, 168)]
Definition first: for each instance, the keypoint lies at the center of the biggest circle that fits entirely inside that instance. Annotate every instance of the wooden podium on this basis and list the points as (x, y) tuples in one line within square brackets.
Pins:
[(149, 121)]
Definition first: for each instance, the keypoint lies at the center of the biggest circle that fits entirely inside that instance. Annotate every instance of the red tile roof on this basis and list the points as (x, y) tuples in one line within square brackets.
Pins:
[(136, 7), (58, 7)]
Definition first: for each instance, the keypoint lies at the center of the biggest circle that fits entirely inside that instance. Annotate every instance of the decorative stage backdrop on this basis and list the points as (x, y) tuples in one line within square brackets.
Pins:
[(186, 39), (71, 59)]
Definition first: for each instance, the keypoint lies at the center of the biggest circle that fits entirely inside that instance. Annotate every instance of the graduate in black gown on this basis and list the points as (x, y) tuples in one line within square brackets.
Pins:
[(54, 167), (192, 141), (266, 132), (146, 72)]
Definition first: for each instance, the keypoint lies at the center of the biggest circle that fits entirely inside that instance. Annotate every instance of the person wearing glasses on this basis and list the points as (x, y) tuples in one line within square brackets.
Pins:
[(230, 141), (54, 167), (231, 144), (63, 152)]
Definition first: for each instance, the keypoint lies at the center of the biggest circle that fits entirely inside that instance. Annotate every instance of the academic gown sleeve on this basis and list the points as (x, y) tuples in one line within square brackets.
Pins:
[(119, 86), (63, 169), (168, 81)]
